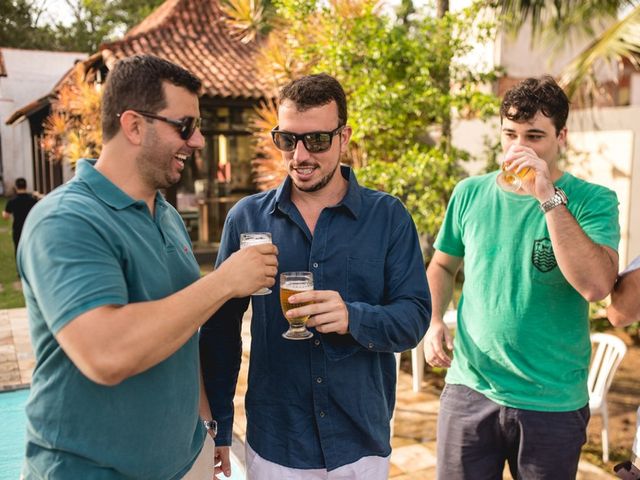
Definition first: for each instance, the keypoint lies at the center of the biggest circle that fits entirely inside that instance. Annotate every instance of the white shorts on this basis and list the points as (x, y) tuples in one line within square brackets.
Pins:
[(367, 468)]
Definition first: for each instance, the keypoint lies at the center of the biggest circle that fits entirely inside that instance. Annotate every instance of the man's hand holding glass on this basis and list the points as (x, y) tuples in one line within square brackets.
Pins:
[(250, 269)]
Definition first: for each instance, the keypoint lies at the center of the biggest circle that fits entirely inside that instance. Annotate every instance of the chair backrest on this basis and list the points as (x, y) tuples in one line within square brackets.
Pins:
[(608, 351)]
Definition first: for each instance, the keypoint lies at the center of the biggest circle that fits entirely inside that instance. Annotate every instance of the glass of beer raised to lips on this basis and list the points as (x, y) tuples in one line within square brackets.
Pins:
[(251, 239), (290, 284), (508, 180)]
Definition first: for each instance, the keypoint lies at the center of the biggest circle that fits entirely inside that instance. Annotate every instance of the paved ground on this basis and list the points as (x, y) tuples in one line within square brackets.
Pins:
[(413, 456), (16, 356)]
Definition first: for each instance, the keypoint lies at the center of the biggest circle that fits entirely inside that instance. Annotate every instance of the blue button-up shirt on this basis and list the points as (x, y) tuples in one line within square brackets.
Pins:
[(327, 401)]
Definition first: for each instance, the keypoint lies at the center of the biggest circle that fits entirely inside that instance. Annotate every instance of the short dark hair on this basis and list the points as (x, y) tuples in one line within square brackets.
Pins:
[(136, 83), (21, 183), (522, 102), (315, 91)]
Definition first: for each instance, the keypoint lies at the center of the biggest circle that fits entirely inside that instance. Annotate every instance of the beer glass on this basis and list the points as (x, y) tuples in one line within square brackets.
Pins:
[(290, 284), (510, 181), (251, 239)]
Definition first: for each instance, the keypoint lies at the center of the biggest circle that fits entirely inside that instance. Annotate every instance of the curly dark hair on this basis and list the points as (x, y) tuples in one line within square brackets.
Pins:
[(135, 83), (522, 102), (315, 91)]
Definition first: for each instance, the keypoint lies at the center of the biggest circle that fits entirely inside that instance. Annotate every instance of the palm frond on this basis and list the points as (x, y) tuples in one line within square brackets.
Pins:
[(246, 18), (620, 41), (558, 16)]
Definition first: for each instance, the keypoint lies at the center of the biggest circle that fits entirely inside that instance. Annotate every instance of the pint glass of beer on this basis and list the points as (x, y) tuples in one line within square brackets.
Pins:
[(511, 181), (290, 284), (251, 239)]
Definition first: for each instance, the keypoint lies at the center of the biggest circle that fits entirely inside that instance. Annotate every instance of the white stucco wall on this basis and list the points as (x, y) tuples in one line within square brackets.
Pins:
[(31, 74), (604, 149)]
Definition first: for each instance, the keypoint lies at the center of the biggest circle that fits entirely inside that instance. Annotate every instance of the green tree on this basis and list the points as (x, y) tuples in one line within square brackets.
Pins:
[(98, 21), (19, 25), (402, 80), (94, 22)]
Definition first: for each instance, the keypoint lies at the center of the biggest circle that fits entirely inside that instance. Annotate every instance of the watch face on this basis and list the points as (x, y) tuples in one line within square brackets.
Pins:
[(211, 426)]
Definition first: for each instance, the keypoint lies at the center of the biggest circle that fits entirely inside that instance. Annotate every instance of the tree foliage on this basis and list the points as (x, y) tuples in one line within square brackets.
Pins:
[(97, 21), (94, 22), (19, 25), (403, 80)]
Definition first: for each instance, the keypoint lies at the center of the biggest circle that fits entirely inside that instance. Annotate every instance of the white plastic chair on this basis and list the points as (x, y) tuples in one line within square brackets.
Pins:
[(608, 351)]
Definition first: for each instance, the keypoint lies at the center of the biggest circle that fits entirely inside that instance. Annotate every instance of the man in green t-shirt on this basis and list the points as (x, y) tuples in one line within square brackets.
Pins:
[(115, 297), (534, 256)]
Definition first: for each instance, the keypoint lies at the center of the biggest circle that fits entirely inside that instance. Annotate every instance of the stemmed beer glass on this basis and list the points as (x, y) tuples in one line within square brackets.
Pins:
[(290, 284), (251, 239)]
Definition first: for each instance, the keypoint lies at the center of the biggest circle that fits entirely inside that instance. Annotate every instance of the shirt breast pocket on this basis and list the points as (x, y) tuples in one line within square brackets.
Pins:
[(544, 265), (365, 280)]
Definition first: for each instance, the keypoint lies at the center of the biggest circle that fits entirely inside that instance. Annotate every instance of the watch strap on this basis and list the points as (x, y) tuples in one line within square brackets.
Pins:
[(559, 198)]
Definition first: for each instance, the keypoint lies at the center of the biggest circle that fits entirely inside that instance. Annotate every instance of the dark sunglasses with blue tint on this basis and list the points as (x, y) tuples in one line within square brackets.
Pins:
[(186, 126), (314, 142)]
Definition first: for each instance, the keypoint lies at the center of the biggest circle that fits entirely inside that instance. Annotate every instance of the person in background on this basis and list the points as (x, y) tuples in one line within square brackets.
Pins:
[(534, 257), (623, 311), (19, 207), (319, 408), (115, 297)]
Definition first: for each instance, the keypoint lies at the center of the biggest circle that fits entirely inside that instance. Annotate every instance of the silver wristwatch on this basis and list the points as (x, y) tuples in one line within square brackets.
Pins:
[(211, 426), (559, 198)]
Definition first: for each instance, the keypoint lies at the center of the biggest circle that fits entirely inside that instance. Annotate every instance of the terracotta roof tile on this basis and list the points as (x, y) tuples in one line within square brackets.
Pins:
[(194, 34)]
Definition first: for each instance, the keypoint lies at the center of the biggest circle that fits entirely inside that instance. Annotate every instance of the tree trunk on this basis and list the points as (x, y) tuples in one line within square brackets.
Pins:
[(445, 83), (442, 8)]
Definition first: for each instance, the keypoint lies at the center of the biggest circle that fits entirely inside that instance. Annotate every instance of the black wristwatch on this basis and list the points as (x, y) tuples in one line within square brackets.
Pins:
[(211, 426)]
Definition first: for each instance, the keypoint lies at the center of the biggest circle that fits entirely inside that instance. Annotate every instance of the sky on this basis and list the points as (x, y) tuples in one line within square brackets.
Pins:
[(56, 11)]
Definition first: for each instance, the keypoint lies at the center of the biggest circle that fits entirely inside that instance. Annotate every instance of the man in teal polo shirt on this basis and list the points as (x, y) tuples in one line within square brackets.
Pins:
[(516, 389), (115, 296)]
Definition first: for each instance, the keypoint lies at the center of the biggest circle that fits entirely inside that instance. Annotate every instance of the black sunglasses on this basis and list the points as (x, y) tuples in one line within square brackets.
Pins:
[(314, 142), (186, 126)]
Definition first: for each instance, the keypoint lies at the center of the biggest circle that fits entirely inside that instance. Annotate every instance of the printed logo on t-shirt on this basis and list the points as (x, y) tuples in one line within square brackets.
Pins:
[(542, 256)]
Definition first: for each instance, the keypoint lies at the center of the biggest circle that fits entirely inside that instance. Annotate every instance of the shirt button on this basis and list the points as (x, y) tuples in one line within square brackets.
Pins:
[(321, 414), (316, 342), (319, 379), (370, 345), (315, 265)]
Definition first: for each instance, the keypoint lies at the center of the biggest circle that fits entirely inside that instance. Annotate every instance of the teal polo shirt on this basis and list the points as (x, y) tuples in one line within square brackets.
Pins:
[(85, 245)]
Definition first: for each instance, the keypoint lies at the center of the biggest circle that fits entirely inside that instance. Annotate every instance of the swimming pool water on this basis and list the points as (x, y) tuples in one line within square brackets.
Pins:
[(13, 421)]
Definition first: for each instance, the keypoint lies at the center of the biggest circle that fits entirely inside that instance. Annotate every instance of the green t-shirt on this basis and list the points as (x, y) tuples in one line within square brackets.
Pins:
[(85, 245), (523, 330)]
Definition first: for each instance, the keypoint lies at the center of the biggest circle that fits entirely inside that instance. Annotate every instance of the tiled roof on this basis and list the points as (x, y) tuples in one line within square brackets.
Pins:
[(193, 34)]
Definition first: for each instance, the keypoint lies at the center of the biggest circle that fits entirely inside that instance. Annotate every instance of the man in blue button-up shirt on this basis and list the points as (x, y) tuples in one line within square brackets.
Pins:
[(319, 406)]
